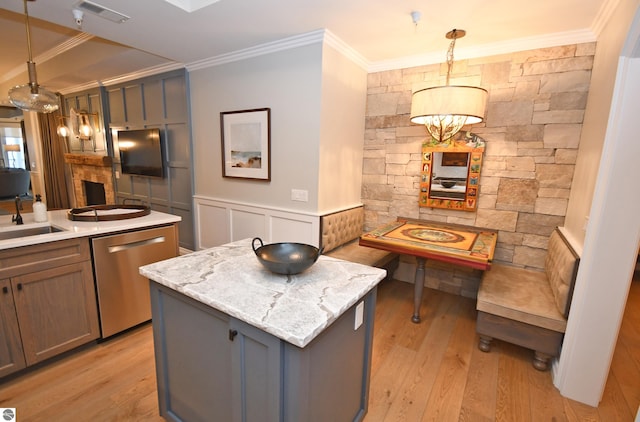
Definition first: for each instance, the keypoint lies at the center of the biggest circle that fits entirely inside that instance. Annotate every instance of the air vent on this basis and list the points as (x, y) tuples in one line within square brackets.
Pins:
[(103, 12)]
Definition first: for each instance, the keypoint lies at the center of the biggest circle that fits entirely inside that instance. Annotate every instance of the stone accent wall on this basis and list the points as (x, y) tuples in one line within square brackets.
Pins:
[(534, 117)]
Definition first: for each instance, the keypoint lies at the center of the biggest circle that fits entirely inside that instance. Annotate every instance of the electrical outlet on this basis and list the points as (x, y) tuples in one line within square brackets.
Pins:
[(359, 316), (299, 195)]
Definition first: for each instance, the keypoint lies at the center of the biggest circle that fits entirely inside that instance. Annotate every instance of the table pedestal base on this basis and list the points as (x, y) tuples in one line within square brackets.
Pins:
[(418, 288)]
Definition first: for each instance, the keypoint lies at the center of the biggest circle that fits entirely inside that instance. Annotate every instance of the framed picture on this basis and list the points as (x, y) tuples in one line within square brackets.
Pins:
[(246, 144)]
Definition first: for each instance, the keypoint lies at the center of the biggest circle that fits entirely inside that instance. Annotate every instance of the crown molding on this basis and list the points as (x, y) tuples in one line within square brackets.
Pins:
[(505, 47), (259, 50), (150, 71), (604, 14)]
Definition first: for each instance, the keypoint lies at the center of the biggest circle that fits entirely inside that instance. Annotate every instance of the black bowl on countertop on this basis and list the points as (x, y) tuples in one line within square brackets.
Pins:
[(286, 258), (448, 183)]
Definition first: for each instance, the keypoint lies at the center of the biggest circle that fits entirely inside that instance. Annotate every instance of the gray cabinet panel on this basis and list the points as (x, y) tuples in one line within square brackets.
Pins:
[(193, 356), (116, 106), (178, 147), (256, 374), (153, 101), (175, 91), (134, 107)]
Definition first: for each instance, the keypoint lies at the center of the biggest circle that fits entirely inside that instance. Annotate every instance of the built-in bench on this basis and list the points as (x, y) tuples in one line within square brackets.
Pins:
[(339, 236), (527, 307)]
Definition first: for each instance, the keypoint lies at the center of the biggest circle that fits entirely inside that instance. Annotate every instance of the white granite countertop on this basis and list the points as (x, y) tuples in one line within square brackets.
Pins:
[(293, 308), (75, 229)]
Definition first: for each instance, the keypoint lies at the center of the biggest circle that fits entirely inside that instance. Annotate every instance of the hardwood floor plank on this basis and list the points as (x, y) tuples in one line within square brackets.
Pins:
[(513, 397), (615, 407), (433, 369), (480, 393), (386, 382), (445, 400), (410, 402), (546, 403)]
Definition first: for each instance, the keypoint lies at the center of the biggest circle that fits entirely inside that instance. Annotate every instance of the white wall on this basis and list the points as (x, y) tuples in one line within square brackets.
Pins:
[(613, 232), (344, 95), (317, 98), (288, 82), (603, 76)]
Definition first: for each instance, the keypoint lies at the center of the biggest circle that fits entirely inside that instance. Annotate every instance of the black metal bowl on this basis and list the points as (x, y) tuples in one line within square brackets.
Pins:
[(448, 183), (286, 258)]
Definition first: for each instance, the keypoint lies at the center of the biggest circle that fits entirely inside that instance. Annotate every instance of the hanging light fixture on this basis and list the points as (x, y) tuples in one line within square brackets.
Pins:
[(445, 109), (31, 96), (80, 124)]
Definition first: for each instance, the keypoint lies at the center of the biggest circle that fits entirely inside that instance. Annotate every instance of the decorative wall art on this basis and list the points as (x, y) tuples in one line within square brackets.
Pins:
[(246, 144), (451, 172)]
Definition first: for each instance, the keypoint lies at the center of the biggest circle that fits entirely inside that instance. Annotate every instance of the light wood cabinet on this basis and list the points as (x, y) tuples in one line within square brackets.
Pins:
[(11, 355), (48, 302)]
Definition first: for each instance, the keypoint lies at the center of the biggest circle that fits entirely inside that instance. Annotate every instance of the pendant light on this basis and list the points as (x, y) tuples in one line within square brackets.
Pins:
[(31, 96), (445, 109)]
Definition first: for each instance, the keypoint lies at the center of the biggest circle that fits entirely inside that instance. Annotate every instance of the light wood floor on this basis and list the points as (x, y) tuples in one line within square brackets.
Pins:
[(431, 371)]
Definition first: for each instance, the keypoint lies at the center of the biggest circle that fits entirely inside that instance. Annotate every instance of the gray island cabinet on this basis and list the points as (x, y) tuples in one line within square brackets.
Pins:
[(235, 342)]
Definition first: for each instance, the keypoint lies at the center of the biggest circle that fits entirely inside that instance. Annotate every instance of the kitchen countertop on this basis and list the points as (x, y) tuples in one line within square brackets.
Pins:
[(75, 229), (294, 308)]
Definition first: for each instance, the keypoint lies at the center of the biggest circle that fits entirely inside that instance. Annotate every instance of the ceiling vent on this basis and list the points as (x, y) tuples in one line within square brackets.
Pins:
[(103, 12)]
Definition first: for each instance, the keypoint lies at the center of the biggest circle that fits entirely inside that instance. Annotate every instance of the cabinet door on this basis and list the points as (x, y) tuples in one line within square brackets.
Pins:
[(256, 374), (11, 356), (56, 310), (193, 358)]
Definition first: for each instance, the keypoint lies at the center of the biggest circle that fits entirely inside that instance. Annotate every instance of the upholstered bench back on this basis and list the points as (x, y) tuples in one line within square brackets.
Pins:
[(339, 236), (560, 266), (341, 227)]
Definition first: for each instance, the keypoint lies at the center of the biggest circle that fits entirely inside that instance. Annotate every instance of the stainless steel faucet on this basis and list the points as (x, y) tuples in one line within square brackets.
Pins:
[(17, 218)]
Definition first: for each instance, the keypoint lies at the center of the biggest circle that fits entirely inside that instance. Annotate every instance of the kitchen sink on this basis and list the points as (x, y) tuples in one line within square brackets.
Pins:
[(31, 231)]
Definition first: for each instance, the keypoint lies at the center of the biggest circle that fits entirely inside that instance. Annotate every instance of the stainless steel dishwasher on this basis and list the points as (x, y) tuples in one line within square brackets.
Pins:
[(123, 294)]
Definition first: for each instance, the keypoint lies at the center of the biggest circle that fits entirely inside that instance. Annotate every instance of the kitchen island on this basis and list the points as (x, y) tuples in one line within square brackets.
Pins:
[(235, 342)]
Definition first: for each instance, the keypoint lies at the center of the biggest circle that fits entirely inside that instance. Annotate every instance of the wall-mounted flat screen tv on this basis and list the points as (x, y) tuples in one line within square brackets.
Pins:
[(141, 152)]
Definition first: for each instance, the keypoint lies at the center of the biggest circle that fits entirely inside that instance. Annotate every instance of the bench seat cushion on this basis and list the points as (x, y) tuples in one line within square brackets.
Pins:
[(521, 295), (353, 252)]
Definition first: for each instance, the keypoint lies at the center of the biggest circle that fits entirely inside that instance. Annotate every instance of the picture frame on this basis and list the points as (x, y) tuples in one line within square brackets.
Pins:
[(246, 144)]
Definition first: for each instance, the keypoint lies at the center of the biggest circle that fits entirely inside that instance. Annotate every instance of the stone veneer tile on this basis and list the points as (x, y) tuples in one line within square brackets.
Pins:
[(568, 101), (538, 224), (562, 135), (529, 257), (498, 220), (551, 206), (520, 163), (558, 65), (566, 81), (566, 156), (554, 176), (517, 192), (509, 113), (558, 116), (525, 133)]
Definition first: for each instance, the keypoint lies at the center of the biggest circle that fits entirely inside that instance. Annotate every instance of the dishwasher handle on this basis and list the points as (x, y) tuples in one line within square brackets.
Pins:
[(140, 243)]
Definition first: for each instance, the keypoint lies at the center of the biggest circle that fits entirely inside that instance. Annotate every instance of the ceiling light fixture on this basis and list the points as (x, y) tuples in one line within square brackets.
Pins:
[(444, 110), (31, 96)]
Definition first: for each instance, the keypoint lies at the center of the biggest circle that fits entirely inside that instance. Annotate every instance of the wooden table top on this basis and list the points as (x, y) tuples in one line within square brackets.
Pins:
[(455, 243)]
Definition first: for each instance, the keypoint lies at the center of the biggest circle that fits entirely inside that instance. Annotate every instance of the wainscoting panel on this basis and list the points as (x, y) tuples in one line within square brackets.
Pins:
[(219, 222)]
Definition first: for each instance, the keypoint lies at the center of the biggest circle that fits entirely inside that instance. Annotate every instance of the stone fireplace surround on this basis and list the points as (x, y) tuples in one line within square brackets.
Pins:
[(92, 168)]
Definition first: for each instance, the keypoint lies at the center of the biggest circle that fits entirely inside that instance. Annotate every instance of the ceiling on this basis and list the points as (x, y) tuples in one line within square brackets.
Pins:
[(379, 34)]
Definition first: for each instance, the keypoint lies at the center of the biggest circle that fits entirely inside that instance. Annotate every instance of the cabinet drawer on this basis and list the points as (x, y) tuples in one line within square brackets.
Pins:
[(28, 259)]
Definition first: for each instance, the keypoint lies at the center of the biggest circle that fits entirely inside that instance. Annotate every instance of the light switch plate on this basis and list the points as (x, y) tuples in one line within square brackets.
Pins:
[(300, 195)]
